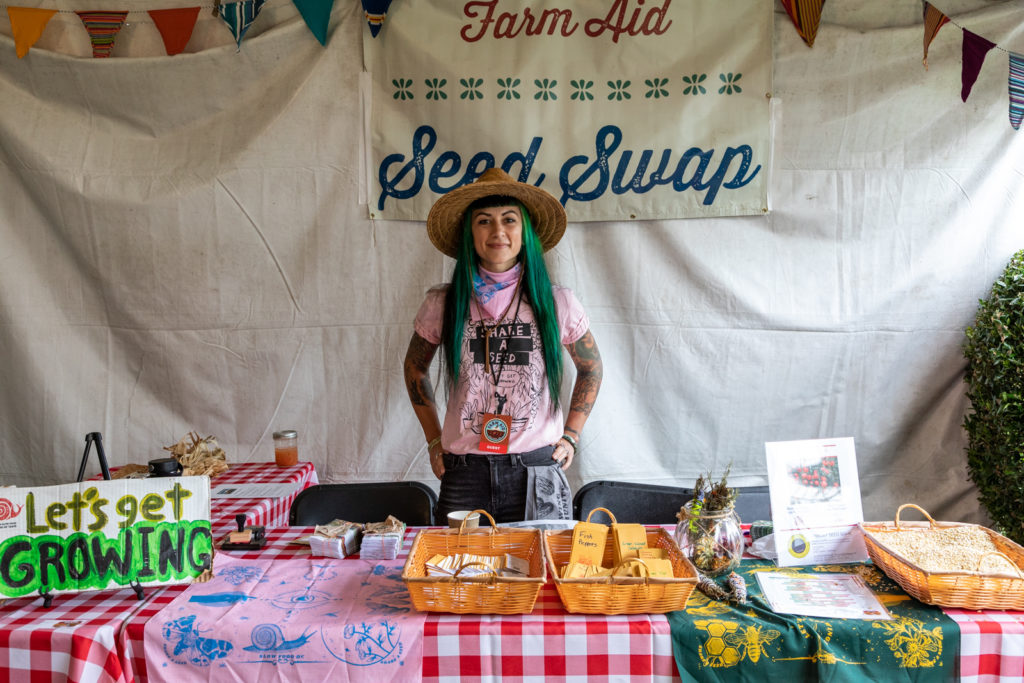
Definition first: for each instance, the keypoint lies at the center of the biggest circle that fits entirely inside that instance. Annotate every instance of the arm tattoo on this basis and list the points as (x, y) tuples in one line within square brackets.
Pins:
[(417, 366), (589, 372)]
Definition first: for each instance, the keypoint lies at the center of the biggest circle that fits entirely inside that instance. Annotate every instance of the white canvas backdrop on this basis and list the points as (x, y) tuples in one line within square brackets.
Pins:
[(184, 245)]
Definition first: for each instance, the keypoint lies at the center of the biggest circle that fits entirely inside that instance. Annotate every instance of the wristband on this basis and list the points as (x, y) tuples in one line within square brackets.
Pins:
[(572, 441), (433, 442)]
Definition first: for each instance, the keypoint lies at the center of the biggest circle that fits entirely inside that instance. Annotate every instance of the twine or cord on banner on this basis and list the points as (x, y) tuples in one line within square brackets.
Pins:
[(214, 9), (996, 46)]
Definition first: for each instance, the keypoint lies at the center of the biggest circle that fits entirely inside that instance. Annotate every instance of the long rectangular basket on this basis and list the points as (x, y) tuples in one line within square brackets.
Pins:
[(476, 594), (964, 589), (604, 595)]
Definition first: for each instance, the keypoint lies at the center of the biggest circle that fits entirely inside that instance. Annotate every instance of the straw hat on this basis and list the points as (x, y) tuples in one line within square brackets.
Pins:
[(444, 222)]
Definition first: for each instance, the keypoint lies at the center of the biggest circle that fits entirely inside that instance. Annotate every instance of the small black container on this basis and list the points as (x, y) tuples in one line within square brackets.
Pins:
[(164, 467)]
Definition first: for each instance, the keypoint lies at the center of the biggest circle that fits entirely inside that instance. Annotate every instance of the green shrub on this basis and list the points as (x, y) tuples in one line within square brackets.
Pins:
[(995, 385)]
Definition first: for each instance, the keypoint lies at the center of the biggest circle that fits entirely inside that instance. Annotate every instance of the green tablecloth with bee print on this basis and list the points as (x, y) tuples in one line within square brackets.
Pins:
[(720, 641)]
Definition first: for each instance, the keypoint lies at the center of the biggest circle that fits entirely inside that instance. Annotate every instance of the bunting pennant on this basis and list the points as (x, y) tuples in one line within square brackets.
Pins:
[(317, 14), (239, 17), (175, 26), (1016, 89), (974, 50), (103, 28), (933, 21), (27, 24), (376, 10), (806, 15)]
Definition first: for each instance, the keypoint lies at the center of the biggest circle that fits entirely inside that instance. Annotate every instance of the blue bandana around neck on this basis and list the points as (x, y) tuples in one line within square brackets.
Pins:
[(486, 284)]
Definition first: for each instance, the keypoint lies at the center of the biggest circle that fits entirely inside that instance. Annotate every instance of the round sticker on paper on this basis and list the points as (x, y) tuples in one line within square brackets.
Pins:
[(798, 546)]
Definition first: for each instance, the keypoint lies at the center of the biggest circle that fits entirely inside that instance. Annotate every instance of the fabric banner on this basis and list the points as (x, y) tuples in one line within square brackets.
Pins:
[(975, 48), (621, 110), (317, 15), (175, 26), (717, 641), (806, 16), (325, 619), (1016, 89), (239, 17), (103, 28), (27, 24), (933, 21)]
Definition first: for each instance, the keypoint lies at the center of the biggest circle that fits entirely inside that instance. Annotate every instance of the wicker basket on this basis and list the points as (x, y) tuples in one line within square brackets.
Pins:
[(969, 590), (621, 595), (487, 594)]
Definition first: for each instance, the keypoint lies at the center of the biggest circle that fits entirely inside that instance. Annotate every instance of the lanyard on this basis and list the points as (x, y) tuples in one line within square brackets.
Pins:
[(489, 330)]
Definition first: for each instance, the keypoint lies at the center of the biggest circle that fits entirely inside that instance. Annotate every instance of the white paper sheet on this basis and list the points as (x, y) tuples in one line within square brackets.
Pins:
[(253, 490), (836, 596)]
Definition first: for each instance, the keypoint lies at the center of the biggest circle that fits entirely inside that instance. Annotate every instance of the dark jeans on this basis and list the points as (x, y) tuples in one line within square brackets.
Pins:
[(496, 483)]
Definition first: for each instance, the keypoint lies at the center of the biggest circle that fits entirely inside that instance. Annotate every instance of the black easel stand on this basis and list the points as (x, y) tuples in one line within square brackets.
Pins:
[(47, 597), (97, 438), (136, 586)]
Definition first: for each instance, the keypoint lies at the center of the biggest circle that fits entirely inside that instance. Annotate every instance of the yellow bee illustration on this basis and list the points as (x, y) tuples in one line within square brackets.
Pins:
[(750, 641)]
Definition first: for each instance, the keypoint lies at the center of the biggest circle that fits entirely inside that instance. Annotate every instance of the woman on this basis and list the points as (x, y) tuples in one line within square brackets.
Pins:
[(501, 326)]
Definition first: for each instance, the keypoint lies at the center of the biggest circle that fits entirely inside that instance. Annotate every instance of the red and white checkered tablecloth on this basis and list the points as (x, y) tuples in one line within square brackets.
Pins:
[(75, 639), (268, 512), (82, 636), (548, 644), (991, 645)]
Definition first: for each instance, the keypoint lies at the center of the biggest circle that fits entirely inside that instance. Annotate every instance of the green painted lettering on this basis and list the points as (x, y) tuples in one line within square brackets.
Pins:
[(176, 495), (75, 505), (150, 504), (30, 512), (53, 513)]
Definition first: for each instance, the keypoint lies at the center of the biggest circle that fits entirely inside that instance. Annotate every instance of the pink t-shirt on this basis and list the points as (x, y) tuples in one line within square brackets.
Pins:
[(517, 361)]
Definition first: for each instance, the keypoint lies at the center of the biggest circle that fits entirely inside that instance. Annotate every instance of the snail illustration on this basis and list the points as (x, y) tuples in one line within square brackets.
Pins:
[(270, 637), (7, 509)]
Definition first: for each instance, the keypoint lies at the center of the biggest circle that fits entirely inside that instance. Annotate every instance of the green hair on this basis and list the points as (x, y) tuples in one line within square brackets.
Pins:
[(536, 285)]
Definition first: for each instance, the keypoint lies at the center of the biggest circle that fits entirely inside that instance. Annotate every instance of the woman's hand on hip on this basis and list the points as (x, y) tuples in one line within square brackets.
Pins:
[(436, 455), (563, 454)]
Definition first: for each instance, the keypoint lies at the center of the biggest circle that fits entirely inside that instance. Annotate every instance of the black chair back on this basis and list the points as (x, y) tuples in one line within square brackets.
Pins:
[(753, 504), (410, 501), (630, 502)]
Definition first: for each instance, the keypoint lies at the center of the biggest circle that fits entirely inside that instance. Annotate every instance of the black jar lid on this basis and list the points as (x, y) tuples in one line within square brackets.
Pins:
[(164, 467)]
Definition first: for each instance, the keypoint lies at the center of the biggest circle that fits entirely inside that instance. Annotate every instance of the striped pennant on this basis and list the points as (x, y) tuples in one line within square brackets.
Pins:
[(239, 17), (375, 11), (103, 28), (806, 15), (1016, 89), (975, 48), (933, 21)]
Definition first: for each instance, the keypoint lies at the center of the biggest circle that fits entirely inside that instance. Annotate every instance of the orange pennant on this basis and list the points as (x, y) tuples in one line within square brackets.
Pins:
[(175, 26), (933, 21), (27, 24)]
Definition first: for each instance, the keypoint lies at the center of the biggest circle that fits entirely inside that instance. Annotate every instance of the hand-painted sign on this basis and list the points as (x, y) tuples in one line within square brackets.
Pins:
[(619, 108), (92, 535)]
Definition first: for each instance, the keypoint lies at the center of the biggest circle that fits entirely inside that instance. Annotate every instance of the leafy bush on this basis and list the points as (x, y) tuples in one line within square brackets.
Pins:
[(995, 379)]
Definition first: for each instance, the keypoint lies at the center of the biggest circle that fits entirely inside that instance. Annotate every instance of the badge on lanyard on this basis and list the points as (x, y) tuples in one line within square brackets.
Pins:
[(495, 433)]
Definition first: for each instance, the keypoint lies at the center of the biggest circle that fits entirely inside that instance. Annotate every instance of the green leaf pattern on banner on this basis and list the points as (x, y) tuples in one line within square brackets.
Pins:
[(581, 88), (508, 88), (656, 87), (545, 89), (693, 84), (730, 81), (435, 88), (471, 88)]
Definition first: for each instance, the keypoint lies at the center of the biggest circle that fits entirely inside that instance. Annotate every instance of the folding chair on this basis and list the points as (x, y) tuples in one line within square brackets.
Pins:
[(630, 502), (410, 501)]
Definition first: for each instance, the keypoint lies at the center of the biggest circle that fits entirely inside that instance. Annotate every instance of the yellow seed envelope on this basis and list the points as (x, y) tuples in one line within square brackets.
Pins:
[(588, 541), (661, 568), (628, 539), (652, 554)]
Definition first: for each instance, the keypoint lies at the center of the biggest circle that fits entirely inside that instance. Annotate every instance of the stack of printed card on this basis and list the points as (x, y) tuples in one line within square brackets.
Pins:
[(382, 540), (338, 539)]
